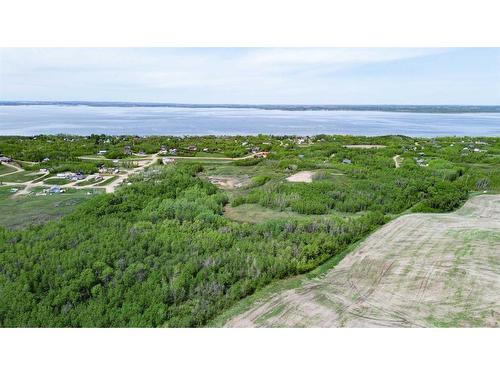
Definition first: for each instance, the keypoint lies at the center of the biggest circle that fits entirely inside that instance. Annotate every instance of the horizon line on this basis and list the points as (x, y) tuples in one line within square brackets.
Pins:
[(15, 101)]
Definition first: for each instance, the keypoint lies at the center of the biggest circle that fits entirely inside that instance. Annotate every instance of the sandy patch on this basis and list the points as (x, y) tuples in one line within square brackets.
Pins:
[(304, 176), (420, 270), (397, 161), (229, 182)]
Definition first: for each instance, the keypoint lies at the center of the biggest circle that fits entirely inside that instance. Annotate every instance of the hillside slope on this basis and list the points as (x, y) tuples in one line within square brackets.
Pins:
[(419, 270)]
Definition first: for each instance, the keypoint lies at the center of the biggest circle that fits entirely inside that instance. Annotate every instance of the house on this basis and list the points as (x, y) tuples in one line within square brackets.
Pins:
[(5, 159), (173, 151), (205, 149), (300, 141), (347, 161), (168, 160), (78, 176), (192, 148), (102, 152), (45, 160), (127, 150), (55, 190), (44, 170), (255, 149), (141, 153)]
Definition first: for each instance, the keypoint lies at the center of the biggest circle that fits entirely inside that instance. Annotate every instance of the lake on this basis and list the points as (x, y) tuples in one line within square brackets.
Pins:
[(136, 120)]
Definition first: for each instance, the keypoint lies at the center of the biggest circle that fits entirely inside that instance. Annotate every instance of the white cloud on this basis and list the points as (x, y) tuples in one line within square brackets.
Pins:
[(319, 56), (228, 75)]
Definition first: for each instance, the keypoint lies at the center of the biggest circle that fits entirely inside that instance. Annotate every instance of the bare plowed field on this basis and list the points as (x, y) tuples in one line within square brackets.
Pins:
[(420, 270)]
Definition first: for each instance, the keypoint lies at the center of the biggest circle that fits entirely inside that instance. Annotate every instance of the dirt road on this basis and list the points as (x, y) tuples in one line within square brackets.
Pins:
[(16, 169), (28, 186), (420, 270)]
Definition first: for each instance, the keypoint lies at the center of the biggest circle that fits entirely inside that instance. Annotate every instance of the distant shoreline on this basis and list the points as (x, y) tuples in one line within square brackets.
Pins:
[(282, 107)]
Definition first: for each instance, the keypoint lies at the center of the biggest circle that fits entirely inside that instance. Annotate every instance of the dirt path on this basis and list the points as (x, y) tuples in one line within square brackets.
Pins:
[(142, 165), (419, 270), (15, 166), (29, 185)]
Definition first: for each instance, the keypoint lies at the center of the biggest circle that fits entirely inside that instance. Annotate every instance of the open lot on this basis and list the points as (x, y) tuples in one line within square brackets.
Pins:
[(25, 210), (420, 270), (56, 181), (5, 168), (253, 213), (19, 177)]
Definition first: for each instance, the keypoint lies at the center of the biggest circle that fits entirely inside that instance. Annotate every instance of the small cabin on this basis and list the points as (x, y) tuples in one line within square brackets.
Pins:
[(55, 190)]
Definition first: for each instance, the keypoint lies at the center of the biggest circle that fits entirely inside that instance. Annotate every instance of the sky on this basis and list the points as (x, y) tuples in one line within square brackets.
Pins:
[(253, 75)]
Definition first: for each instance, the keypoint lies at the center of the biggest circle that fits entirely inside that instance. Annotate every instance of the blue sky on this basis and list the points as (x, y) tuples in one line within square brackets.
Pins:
[(254, 75)]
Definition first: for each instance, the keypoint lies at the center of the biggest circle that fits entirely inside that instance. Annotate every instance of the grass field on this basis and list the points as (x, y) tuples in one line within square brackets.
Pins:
[(26, 210), (23, 176), (107, 181), (4, 168), (87, 182), (253, 213), (56, 181), (420, 270)]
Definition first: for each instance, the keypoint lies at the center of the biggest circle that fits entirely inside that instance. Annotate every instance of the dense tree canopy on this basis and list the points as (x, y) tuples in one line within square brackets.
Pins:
[(155, 254), (160, 251)]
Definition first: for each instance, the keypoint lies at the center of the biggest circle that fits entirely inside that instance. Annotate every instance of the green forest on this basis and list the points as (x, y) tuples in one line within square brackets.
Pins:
[(160, 251)]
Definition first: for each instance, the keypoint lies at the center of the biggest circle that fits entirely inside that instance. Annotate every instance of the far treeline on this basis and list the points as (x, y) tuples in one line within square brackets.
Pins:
[(160, 252)]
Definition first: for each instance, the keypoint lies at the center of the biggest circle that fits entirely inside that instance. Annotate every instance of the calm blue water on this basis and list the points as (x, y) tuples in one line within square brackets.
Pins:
[(85, 120)]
